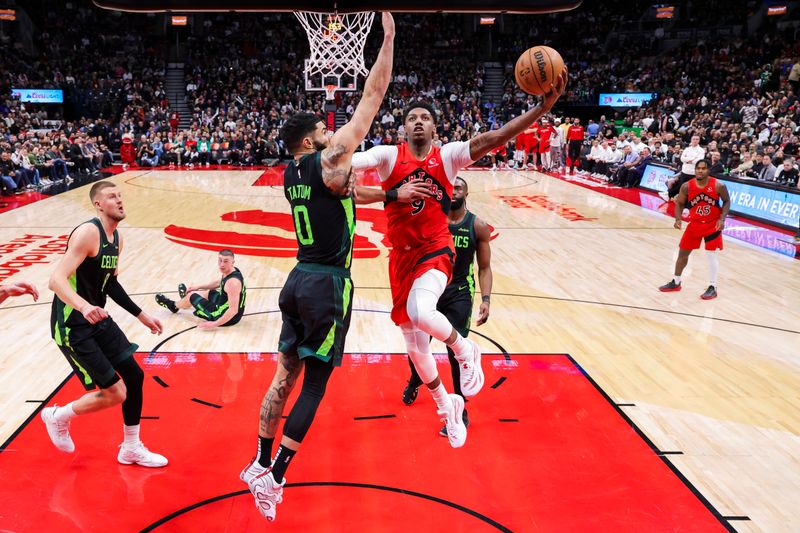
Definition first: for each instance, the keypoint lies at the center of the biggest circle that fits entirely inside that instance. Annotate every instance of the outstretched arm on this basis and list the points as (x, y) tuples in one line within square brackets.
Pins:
[(479, 146), (117, 293), (408, 192), (336, 172)]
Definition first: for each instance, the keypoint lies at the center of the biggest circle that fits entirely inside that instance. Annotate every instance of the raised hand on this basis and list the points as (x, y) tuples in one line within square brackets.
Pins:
[(556, 90), (388, 24)]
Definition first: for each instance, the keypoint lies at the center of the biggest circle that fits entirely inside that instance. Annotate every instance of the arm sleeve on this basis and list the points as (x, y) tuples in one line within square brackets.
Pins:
[(380, 158), (115, 291), (455, 156)]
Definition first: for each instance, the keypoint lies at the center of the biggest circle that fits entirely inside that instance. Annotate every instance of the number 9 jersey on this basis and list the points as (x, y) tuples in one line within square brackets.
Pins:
[(419, 232), (324, 223), (421, 222)]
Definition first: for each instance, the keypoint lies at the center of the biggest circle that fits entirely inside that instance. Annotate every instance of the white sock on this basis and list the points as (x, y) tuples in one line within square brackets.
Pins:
[(676, 279), (131, 435), (65, 413), (713, 267), (460, 346), (440, 397)]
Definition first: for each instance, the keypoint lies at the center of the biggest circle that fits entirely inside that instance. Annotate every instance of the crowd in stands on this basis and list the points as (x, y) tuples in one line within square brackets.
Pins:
[(243, 80)]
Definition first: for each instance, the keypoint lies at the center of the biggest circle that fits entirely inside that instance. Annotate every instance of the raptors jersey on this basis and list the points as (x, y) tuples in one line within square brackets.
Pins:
[(421, 221), (419, 232), (703, 202)]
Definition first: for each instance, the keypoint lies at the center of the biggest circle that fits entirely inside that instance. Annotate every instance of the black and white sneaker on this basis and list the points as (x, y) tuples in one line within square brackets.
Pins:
[(670, 287), (411, 391), (166, 303), (710, 294)]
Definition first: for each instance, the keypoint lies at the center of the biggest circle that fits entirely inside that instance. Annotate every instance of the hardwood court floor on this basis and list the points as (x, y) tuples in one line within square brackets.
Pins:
[(574, 272)]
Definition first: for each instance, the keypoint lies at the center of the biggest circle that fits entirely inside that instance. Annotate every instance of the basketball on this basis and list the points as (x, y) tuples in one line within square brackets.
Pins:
[(537, 69)]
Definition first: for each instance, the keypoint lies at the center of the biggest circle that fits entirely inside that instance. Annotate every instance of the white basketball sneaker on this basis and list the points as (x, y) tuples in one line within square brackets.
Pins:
[(471, 373), (252, 470), (57, 430), (267, 492), (140, 455), (452, 416)]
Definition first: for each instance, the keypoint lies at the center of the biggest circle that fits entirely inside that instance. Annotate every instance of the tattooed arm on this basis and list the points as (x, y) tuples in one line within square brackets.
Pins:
[(336, 171)]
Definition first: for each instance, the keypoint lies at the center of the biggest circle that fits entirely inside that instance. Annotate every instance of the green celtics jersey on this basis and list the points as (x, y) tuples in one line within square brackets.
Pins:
[(89, 281), (466, 245), (236, 274)]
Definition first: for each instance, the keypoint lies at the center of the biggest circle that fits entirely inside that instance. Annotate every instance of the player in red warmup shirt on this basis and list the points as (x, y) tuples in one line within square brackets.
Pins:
[(546, 132), (574, 141), (421, 260), (706, 222)]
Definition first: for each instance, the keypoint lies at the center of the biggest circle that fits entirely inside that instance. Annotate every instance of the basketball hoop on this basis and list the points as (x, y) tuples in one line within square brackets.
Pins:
[(337, 42)]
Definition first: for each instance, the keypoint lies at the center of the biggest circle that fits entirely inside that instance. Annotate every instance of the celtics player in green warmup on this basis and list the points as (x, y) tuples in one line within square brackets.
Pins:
[(471, 237), (93, 344), (218, 302), (316, 299)]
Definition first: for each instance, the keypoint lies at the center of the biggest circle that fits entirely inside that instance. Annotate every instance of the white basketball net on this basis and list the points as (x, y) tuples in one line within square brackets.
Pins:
[(337, 50)]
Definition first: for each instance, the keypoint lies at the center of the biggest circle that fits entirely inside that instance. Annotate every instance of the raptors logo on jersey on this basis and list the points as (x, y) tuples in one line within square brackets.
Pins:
[(421, 221), (419, 232), (703, 202)]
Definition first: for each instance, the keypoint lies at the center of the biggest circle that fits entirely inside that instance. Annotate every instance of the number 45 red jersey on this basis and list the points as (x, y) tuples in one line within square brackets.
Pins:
[(423, 221), (703, 202)]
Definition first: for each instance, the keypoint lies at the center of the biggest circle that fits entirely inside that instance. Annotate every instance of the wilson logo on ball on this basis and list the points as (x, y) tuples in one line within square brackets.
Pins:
[(541, 64)]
